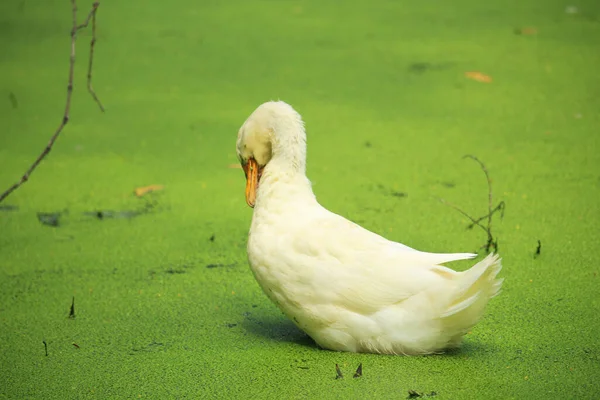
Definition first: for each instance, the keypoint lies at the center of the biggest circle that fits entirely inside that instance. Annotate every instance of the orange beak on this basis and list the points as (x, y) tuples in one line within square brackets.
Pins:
[(253, 173)]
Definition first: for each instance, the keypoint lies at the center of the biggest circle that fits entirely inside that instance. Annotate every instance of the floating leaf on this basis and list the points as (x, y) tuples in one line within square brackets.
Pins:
[(478, 76), (139, 192)]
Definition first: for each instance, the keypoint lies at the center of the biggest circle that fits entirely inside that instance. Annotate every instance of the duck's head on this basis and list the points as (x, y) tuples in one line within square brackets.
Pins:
[(273, 135)]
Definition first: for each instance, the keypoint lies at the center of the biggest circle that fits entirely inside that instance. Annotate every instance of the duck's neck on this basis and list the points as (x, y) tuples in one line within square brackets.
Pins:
[(282, 187), (278, 195), (277, 178), (283, 181), (288, 143)]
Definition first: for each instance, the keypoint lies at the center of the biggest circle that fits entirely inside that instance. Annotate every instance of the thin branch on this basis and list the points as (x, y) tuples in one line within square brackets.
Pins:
[(500, 207), (65, 118), (473, 220), (489, 182), (491, 243), (89, 17), (92, 15)]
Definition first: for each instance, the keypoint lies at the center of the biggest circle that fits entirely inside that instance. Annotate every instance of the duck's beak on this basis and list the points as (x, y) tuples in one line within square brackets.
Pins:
[(253, 172)]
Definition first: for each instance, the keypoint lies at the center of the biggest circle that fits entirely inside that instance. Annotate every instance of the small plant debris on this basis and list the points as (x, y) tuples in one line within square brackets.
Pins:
[(72, 310), (217, 265), (478, 76), (391, 192), (75, 345), (174, 271), (338, 372), (422, 67), (212, 238), (358, 372), (492, 243), (413, 394), (231, 325), (50, 219), (45, 347), (419, 67), (148, 207), (141, 191), (398, 194), (538, 250), (103, 214)]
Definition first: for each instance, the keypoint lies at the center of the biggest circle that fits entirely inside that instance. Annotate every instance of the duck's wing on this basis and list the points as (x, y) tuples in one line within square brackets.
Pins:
[(363, 270), (341, 232)]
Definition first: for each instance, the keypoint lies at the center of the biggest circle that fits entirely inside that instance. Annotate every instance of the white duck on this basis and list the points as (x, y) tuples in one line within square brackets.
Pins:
[(346, 287)]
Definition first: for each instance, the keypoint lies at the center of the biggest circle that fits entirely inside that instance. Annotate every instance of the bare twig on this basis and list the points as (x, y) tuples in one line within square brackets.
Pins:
[(72, 309), (500, 207), (491, 243), (358, 372), (65, 118), (489, 182), (92, 15), (338, 372), (538, 249), (473, 220)]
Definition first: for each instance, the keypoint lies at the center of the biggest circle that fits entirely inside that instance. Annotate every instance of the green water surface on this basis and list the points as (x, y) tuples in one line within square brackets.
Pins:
[(165, 304)]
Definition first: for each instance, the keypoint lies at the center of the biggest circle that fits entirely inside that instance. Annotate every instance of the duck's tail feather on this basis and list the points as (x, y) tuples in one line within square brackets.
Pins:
[(475, 287)]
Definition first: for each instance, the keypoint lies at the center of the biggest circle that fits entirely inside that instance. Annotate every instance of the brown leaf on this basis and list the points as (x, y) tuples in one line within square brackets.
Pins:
[(478, 76), (139, 192)]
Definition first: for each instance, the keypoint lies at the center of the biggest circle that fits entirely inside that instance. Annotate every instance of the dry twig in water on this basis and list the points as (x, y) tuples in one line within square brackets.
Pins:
[(338, 372), (491, 242), (65, 119), (72, 309)]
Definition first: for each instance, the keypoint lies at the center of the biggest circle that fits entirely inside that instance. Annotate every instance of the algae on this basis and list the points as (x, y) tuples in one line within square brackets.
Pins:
[(166, 306)]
